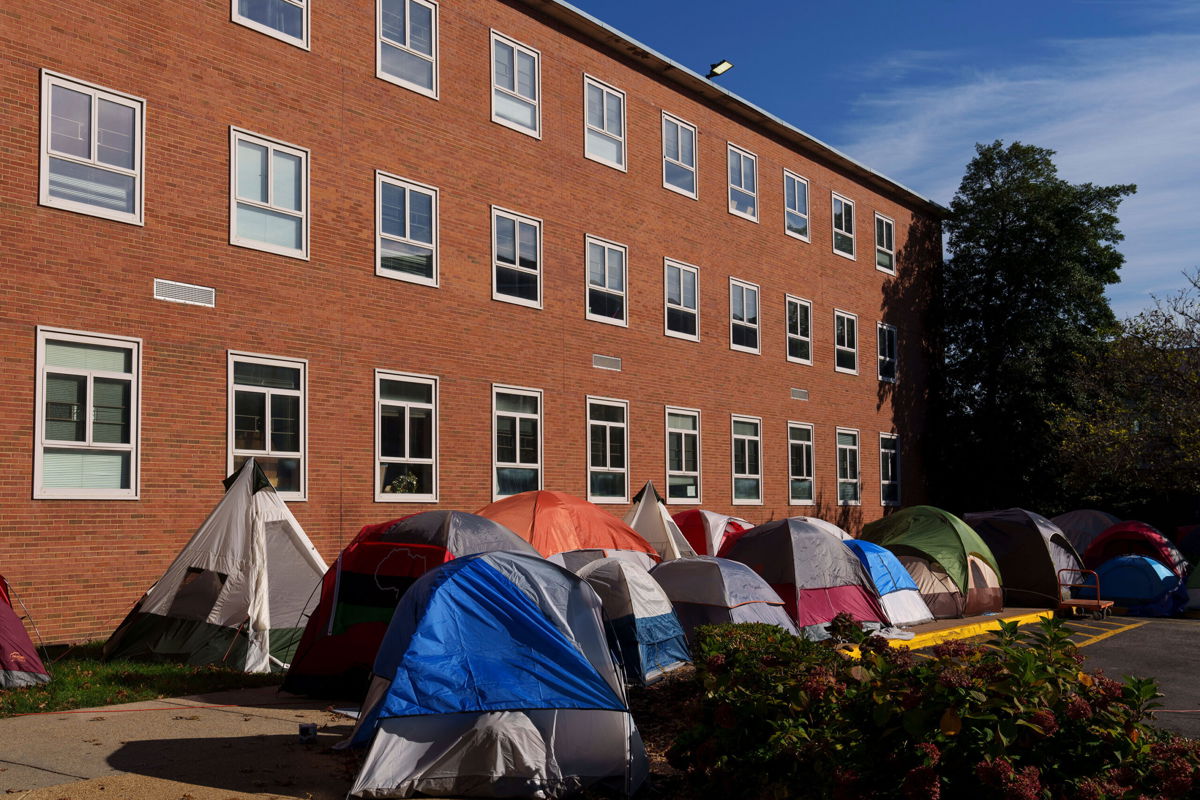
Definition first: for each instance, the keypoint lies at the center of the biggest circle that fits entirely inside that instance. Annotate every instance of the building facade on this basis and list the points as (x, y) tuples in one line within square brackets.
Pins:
[(413, 255)]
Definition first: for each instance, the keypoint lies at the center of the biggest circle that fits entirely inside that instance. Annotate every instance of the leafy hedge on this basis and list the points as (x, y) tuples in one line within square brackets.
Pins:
[(1017, 719)]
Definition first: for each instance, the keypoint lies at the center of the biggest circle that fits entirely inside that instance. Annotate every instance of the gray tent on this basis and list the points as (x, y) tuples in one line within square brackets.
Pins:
[(1030, 550), (1082, 526), (709, 591)]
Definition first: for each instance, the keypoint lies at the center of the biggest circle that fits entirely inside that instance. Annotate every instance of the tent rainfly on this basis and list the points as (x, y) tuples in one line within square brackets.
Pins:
[(897, 591), (710, 591), (954, 570), (236, 592), (1135, 538), (708, 532), (1030, 550), (495, 679), (641, 620), (650, 518), (1141, 585), (360, 591), (569, 530), (19, 661), (1083, 525)]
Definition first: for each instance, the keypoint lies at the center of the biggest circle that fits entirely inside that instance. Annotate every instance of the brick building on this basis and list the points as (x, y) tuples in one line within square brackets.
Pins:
[(417, 254)]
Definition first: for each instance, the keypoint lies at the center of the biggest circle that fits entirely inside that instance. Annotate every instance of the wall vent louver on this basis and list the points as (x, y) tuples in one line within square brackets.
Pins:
[(175, 292), (606, 362), (799, 394)]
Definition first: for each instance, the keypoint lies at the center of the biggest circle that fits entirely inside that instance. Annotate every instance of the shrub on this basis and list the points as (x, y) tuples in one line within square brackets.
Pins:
[(1014, 720)]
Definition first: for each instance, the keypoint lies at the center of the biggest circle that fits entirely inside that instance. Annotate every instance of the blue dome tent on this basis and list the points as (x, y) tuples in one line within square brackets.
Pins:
[(1142, 585), (897, 590)]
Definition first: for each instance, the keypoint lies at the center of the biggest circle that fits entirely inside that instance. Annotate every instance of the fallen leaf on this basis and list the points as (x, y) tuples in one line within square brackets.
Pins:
[(951, 723)]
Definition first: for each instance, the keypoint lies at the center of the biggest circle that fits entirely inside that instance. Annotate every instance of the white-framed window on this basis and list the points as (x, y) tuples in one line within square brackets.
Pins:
[(407, 233), (885, 244), (800, 464), (516, 258), (845, 342), (743, 316), (608, 445), (408, 39), (286, 20), (889, 469), (843, 226), (679, 155), (683, 455), (88, 416), (603, 123), (887, 352), (681, 300), (268, 419), (743, 183), (606, 281), (268, 207), (747, 459), (847, 461), (799, 330), (406, 437), (517, 440), (795, 205), (516, 85), (92, 150)]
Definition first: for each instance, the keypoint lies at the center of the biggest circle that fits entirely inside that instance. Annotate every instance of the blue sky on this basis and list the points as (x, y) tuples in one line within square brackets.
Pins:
[(908, 88)]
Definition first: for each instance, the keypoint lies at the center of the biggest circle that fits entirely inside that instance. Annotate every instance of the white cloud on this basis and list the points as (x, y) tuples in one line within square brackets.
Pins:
[(1116, 110)]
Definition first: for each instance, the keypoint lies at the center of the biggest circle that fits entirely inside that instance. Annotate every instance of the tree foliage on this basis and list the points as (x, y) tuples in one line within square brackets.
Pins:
[(1133, 442), (1022, 299)]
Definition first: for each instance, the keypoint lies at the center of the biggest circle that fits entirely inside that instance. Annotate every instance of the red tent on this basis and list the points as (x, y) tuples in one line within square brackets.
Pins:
[(19, 662), (1134, 538), (569, 530), (710, 533), (360, 591)]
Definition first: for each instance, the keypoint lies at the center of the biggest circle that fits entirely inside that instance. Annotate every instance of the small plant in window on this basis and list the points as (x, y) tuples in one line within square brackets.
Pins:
[(403, 484)]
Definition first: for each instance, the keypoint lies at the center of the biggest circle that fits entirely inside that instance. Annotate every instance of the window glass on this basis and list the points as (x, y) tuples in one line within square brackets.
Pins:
[(604, 128), (747, 463), (847, 453), (517, 259), (682, 317), (407, 38), (607, 469), (795, 203), (518, 442), (407, 231), (283, 19), (845, 342), (743, 183), (515, 88), (683, 456), (270, 208), (407, 427), (843, 226), (885, 247), (743, 316), (679, 155), (606, 281), (800, 463), (799, 330), (267, 419)]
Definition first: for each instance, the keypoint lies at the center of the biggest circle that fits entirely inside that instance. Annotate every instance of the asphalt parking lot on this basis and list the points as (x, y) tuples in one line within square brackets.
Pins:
[(1167, 650)]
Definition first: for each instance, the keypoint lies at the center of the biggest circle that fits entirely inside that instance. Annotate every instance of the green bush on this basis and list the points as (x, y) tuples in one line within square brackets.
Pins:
[(1017, 719)]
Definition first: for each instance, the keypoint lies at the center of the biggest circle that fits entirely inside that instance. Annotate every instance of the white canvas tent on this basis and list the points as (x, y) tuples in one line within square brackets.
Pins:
[(237, 592), (649, 517)]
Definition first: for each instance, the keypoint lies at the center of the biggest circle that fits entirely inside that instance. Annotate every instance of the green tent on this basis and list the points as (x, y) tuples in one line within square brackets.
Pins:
[(927, 538)]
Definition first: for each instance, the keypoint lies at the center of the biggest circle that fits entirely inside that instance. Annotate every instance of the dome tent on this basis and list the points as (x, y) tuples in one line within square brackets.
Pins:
[(495, 679), (710, 591), (897, 591), (641, 620), (812, 571), (650, 518), (1030, 550), (20, 664), (953, 568), (1135, 538), (569, 530), (708, 532), (1083, 525), (360, 591), (1141, 584)]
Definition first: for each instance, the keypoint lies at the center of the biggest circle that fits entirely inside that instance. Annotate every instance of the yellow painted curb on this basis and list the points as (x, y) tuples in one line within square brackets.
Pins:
[(968, 631)]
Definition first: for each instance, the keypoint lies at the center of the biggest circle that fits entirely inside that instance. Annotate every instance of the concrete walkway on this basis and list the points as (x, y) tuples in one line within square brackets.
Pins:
[(236, 744)]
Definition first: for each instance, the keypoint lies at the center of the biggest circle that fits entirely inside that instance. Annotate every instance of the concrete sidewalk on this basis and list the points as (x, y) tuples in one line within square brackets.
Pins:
[(236, 744)]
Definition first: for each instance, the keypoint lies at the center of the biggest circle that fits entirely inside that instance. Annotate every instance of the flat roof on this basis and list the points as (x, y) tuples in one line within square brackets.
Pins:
[(673, 72)]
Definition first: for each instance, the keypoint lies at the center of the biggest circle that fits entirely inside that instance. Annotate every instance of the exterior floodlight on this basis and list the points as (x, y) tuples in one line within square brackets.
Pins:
[(719, 68)]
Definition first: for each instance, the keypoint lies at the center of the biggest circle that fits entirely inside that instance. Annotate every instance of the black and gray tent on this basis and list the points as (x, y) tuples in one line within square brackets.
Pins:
[(1029, 550), (709, 591), (236, 591), (1082, 526)]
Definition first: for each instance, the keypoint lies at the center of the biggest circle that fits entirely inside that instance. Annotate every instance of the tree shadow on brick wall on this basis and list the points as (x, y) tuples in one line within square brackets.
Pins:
[(910, 303), (848, 518)]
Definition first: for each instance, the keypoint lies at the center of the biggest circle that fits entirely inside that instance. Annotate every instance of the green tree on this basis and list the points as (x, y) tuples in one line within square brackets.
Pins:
[(1021, 300), (1133, 443)]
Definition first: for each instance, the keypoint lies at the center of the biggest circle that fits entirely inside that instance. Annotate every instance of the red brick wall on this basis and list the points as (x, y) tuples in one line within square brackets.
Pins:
[(80, 565)]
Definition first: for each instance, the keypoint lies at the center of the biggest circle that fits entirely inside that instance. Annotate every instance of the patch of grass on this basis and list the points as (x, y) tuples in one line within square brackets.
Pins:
[(81, 679)]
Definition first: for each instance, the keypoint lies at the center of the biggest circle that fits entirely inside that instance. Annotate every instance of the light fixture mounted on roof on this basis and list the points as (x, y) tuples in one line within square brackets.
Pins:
[(719, 68)]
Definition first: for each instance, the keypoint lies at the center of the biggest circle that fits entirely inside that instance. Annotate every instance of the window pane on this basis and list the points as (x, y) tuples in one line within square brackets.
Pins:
[(687, 152), (680, 177), (527, 441), (598, 445), (801, 489), (741, 428), (392, 20), (602, 412), (406, 391), (595, 106), (745, 488), (607, 484), (420, 28), (279, 15), (606, 147), (675, 452), (86, 469), (283, 473), (670, 140), (616, 448), (285, 423), (752, 457), (735, 169), (421, 216), (527, 76), (505, 69), (506, 240), (89, 356), (407, 258), (797, 224), (247, 373), (683, 486), (420, 442), (82, 183), (744, 336), (251, 171), (606, 304), (883, 260), (405, 65), (685, 422), (70, 122), (681, 321), (116, 138), (506, 439), (111, 411), (521, 403), (66, 403), (749, 178), (286, 178), (528, 244), (689, 288), (511, 480), (691, 453), (616, 270), (392, 435), (847, 439), (407, 478), (269, 227), (249, 421), (516, 283), (595, 264), (741, 201), (613, 122), (674, 285), (392, 210)]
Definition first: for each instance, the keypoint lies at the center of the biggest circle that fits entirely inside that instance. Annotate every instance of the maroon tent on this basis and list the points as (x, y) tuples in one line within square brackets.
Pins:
[(19, 662), (816, 575), (1134, 538)]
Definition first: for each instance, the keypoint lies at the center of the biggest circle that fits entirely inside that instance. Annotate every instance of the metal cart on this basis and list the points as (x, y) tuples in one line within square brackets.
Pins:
[(1078, 607)]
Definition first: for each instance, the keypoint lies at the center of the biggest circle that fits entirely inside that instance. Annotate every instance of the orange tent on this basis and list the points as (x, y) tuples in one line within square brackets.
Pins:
[(556, 524)]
